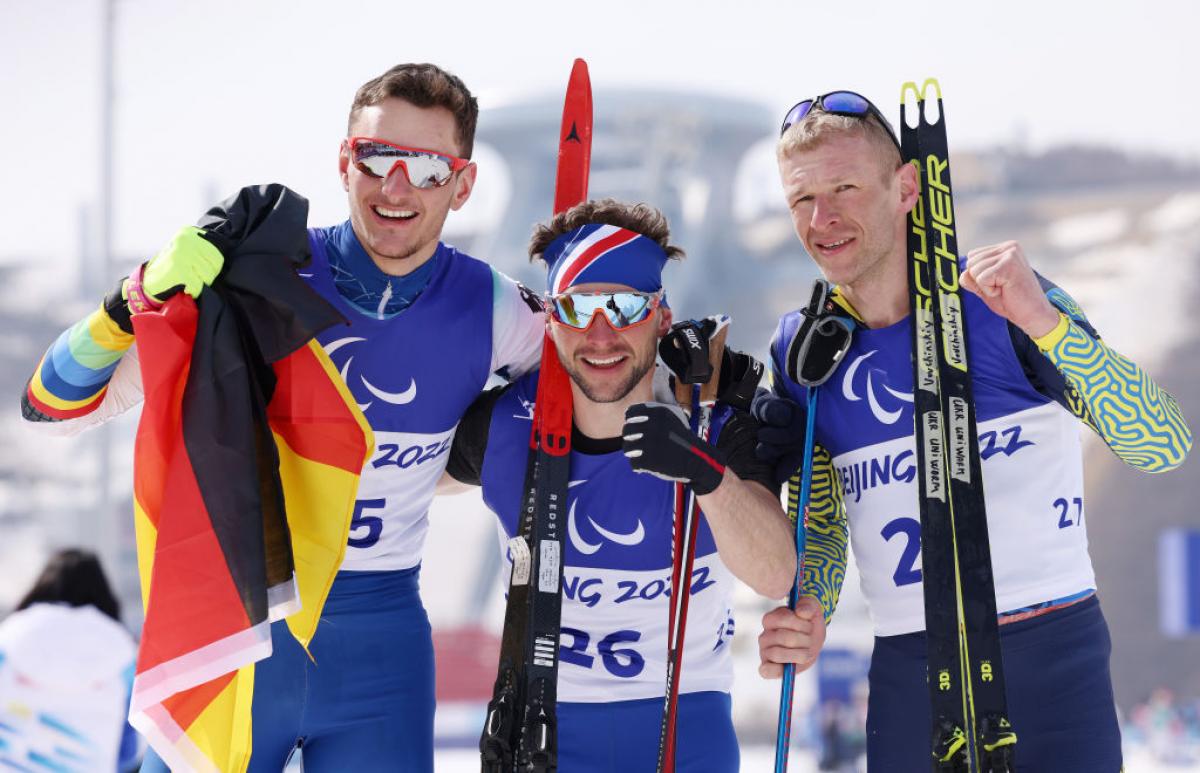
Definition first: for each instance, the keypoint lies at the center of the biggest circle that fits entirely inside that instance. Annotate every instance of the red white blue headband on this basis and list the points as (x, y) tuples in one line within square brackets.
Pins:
[(604, 254)]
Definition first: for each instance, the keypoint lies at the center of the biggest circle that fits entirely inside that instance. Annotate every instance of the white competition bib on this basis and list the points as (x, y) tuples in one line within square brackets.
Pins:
[(614, 633), (1033, 486), (391, 512)]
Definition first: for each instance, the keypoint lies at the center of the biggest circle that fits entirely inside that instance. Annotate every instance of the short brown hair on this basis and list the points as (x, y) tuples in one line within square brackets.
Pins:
[(424, 85), (639, 218), (818, 126)]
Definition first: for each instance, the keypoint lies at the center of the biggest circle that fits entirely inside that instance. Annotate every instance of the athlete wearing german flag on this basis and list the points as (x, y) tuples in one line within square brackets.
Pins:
[(326, 368)]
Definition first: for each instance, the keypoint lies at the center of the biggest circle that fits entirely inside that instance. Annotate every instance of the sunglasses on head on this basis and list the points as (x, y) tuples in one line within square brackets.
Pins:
[(623, 309), (838, 103), (423, 168)]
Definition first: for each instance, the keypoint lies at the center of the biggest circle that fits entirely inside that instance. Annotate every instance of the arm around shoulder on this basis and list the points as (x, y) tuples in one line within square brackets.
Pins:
[(518, 328), (464, 467)]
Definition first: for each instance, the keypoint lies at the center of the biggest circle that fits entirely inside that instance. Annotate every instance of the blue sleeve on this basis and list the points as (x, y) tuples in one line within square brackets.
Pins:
[(129, 756)]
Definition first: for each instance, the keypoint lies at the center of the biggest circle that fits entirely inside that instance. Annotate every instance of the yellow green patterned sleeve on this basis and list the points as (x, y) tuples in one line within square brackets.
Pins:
[(827, 540), (1139, 421)]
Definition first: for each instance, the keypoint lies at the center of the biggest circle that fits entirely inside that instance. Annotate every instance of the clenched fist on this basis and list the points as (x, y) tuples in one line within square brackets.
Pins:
[(1001, 276)]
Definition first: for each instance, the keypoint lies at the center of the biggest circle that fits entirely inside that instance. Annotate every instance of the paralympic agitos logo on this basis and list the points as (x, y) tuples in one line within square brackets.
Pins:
[(886, 404), (403, 397), (587, 548)]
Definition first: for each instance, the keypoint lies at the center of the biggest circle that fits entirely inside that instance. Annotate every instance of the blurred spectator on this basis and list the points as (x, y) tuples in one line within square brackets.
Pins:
[(1168, 727), (66, 668)]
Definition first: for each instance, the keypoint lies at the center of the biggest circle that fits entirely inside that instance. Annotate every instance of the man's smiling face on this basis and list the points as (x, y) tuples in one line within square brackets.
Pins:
[(399, 225)]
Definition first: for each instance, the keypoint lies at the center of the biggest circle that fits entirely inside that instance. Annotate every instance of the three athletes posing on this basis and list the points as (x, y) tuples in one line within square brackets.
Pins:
[(367, 701)]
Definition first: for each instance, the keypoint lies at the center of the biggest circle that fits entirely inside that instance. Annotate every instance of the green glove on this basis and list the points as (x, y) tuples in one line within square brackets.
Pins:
[(188, 262)]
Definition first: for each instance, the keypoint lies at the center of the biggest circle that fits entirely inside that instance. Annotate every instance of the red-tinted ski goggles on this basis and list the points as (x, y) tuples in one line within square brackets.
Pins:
[(838, 103), (623, 309), (423, 168)]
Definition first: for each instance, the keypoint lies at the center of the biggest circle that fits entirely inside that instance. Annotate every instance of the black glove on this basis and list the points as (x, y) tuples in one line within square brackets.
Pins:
[(657, 440), (684, 349), (740, 376), (780, 434)]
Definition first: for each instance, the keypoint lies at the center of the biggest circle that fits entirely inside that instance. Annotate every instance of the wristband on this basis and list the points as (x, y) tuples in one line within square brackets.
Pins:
[(139, 300)]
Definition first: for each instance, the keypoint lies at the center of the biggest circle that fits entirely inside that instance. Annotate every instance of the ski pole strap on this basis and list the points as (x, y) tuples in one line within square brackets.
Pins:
[(821, 341)]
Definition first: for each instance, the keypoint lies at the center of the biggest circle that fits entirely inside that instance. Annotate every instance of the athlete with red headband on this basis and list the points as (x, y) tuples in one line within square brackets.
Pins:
[(630, 443), (427, 325)]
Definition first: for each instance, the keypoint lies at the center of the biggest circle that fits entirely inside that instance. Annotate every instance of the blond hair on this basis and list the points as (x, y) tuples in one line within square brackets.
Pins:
[(819, 126)]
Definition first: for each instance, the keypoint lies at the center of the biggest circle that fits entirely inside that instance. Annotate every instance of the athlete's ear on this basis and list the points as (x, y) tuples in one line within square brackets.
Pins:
[(665, 318), (910, 187), (344, 165), (464, 183)]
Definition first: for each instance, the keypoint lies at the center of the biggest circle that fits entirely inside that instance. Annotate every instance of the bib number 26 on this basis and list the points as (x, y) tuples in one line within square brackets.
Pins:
[(618, 661)]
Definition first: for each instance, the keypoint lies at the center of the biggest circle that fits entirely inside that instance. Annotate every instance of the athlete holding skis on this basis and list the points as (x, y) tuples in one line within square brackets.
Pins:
[(427, 325), (607, 315), (1037, 366)]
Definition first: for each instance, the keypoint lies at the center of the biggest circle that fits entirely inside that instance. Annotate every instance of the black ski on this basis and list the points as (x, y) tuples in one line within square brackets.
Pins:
[(971, 731), (520, 732)]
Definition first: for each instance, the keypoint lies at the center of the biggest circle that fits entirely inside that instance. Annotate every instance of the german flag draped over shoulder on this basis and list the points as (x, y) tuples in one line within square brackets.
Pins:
[(246, 466)]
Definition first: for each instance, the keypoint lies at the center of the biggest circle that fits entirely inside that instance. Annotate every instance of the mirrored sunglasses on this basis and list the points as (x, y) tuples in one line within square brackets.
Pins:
[(623, 309), (838, 103), (423, 168)]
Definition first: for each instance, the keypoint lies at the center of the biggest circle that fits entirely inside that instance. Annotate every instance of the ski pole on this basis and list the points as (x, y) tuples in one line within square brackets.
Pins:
[(797, 509)]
